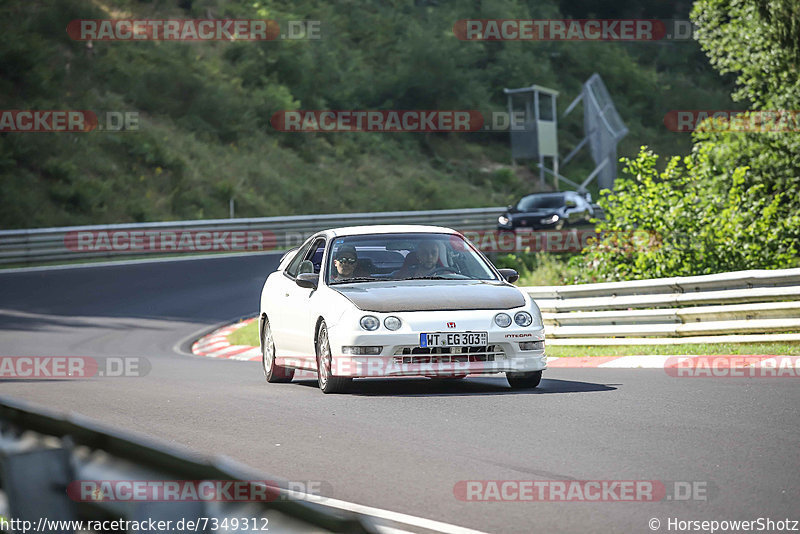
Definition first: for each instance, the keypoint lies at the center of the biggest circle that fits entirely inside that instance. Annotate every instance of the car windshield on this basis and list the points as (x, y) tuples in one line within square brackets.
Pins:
[(404, 256), (533, 202)]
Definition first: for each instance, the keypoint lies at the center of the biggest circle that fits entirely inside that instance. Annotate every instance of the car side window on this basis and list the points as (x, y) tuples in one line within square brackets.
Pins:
[(316, 258), (294, 265), (311, 253)]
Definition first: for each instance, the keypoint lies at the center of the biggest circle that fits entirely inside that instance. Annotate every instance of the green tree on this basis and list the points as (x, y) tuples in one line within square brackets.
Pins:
[(733, 203), (759, 42)]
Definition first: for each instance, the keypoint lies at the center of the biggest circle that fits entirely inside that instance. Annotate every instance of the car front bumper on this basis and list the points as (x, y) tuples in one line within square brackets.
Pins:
[(378, 366), (401, 355)]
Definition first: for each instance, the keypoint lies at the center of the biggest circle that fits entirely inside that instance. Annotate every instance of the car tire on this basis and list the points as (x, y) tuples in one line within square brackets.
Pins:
[(327, 382), (273, 372), (524, 380)]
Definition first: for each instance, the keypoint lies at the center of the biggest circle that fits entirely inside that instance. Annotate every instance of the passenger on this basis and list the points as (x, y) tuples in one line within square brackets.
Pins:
[(423, 262)]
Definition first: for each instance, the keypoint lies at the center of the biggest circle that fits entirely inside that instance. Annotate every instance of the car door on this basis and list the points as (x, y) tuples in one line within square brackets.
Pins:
[(279, 295), (298, 315)]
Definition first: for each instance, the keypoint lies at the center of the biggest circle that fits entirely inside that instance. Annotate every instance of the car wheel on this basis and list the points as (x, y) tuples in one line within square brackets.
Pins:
[(327, 382), (272, 371), (524, 380)]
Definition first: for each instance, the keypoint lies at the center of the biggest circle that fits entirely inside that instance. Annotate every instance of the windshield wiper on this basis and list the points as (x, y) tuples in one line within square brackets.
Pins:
[(357, 279), (432, 278)]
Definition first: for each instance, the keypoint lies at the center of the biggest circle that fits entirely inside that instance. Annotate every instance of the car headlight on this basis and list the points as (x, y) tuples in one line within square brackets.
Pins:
[(392, 322), (550, 220), (503, 220), (502, 320), (523, 318), (368, 322)]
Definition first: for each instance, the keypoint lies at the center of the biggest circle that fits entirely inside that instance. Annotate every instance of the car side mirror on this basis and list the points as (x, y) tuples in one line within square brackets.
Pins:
[(306, 267), (510, 275), (307, 280)]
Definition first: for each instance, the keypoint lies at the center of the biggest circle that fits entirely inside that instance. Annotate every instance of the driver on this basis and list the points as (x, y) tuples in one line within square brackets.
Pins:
[(428, 255)]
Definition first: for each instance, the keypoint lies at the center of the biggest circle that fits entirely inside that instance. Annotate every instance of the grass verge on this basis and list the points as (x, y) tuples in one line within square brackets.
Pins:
[(247, 335)]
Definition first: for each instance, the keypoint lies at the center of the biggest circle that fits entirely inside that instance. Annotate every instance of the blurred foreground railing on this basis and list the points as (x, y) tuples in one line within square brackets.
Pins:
[(43, 456)]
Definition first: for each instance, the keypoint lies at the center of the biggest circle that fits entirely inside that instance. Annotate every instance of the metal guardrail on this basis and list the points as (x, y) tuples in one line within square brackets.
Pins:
[(719, 305), (42, 454), (262, 233)]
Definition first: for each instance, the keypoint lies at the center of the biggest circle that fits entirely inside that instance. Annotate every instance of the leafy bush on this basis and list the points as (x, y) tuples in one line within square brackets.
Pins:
[(733, 203), (692, 218)]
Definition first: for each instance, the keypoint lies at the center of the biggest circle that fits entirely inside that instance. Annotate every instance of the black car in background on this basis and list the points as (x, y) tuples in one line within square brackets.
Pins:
[(547, 211)]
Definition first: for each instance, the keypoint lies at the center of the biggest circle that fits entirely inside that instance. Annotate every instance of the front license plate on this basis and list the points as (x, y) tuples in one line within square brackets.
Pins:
[(453, 339)]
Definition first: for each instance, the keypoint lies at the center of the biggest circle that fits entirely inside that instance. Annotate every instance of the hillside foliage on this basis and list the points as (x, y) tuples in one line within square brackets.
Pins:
[(204, 135)]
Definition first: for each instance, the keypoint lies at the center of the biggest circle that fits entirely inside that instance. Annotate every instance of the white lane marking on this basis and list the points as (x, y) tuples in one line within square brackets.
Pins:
[(390, 530), (135, 262), (396, 517)]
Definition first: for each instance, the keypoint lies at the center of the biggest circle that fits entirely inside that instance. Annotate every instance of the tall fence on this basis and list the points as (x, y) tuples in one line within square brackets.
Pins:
[(756, 305), (169, 238)]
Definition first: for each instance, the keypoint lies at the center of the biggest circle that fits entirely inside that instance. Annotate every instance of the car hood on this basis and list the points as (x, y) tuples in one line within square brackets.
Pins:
[(430, 295)]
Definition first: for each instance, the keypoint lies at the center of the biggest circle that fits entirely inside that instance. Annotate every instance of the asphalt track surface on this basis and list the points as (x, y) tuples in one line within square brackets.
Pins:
[(403, 445)]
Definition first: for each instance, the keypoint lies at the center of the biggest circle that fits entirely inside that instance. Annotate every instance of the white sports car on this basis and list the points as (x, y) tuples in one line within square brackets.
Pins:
[(387, 301)]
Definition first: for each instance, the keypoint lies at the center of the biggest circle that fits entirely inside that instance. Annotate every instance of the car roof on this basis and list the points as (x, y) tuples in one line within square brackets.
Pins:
[(388, 229)]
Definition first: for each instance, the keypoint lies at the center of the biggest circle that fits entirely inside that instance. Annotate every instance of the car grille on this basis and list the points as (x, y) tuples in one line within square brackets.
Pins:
[(489, 353)]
